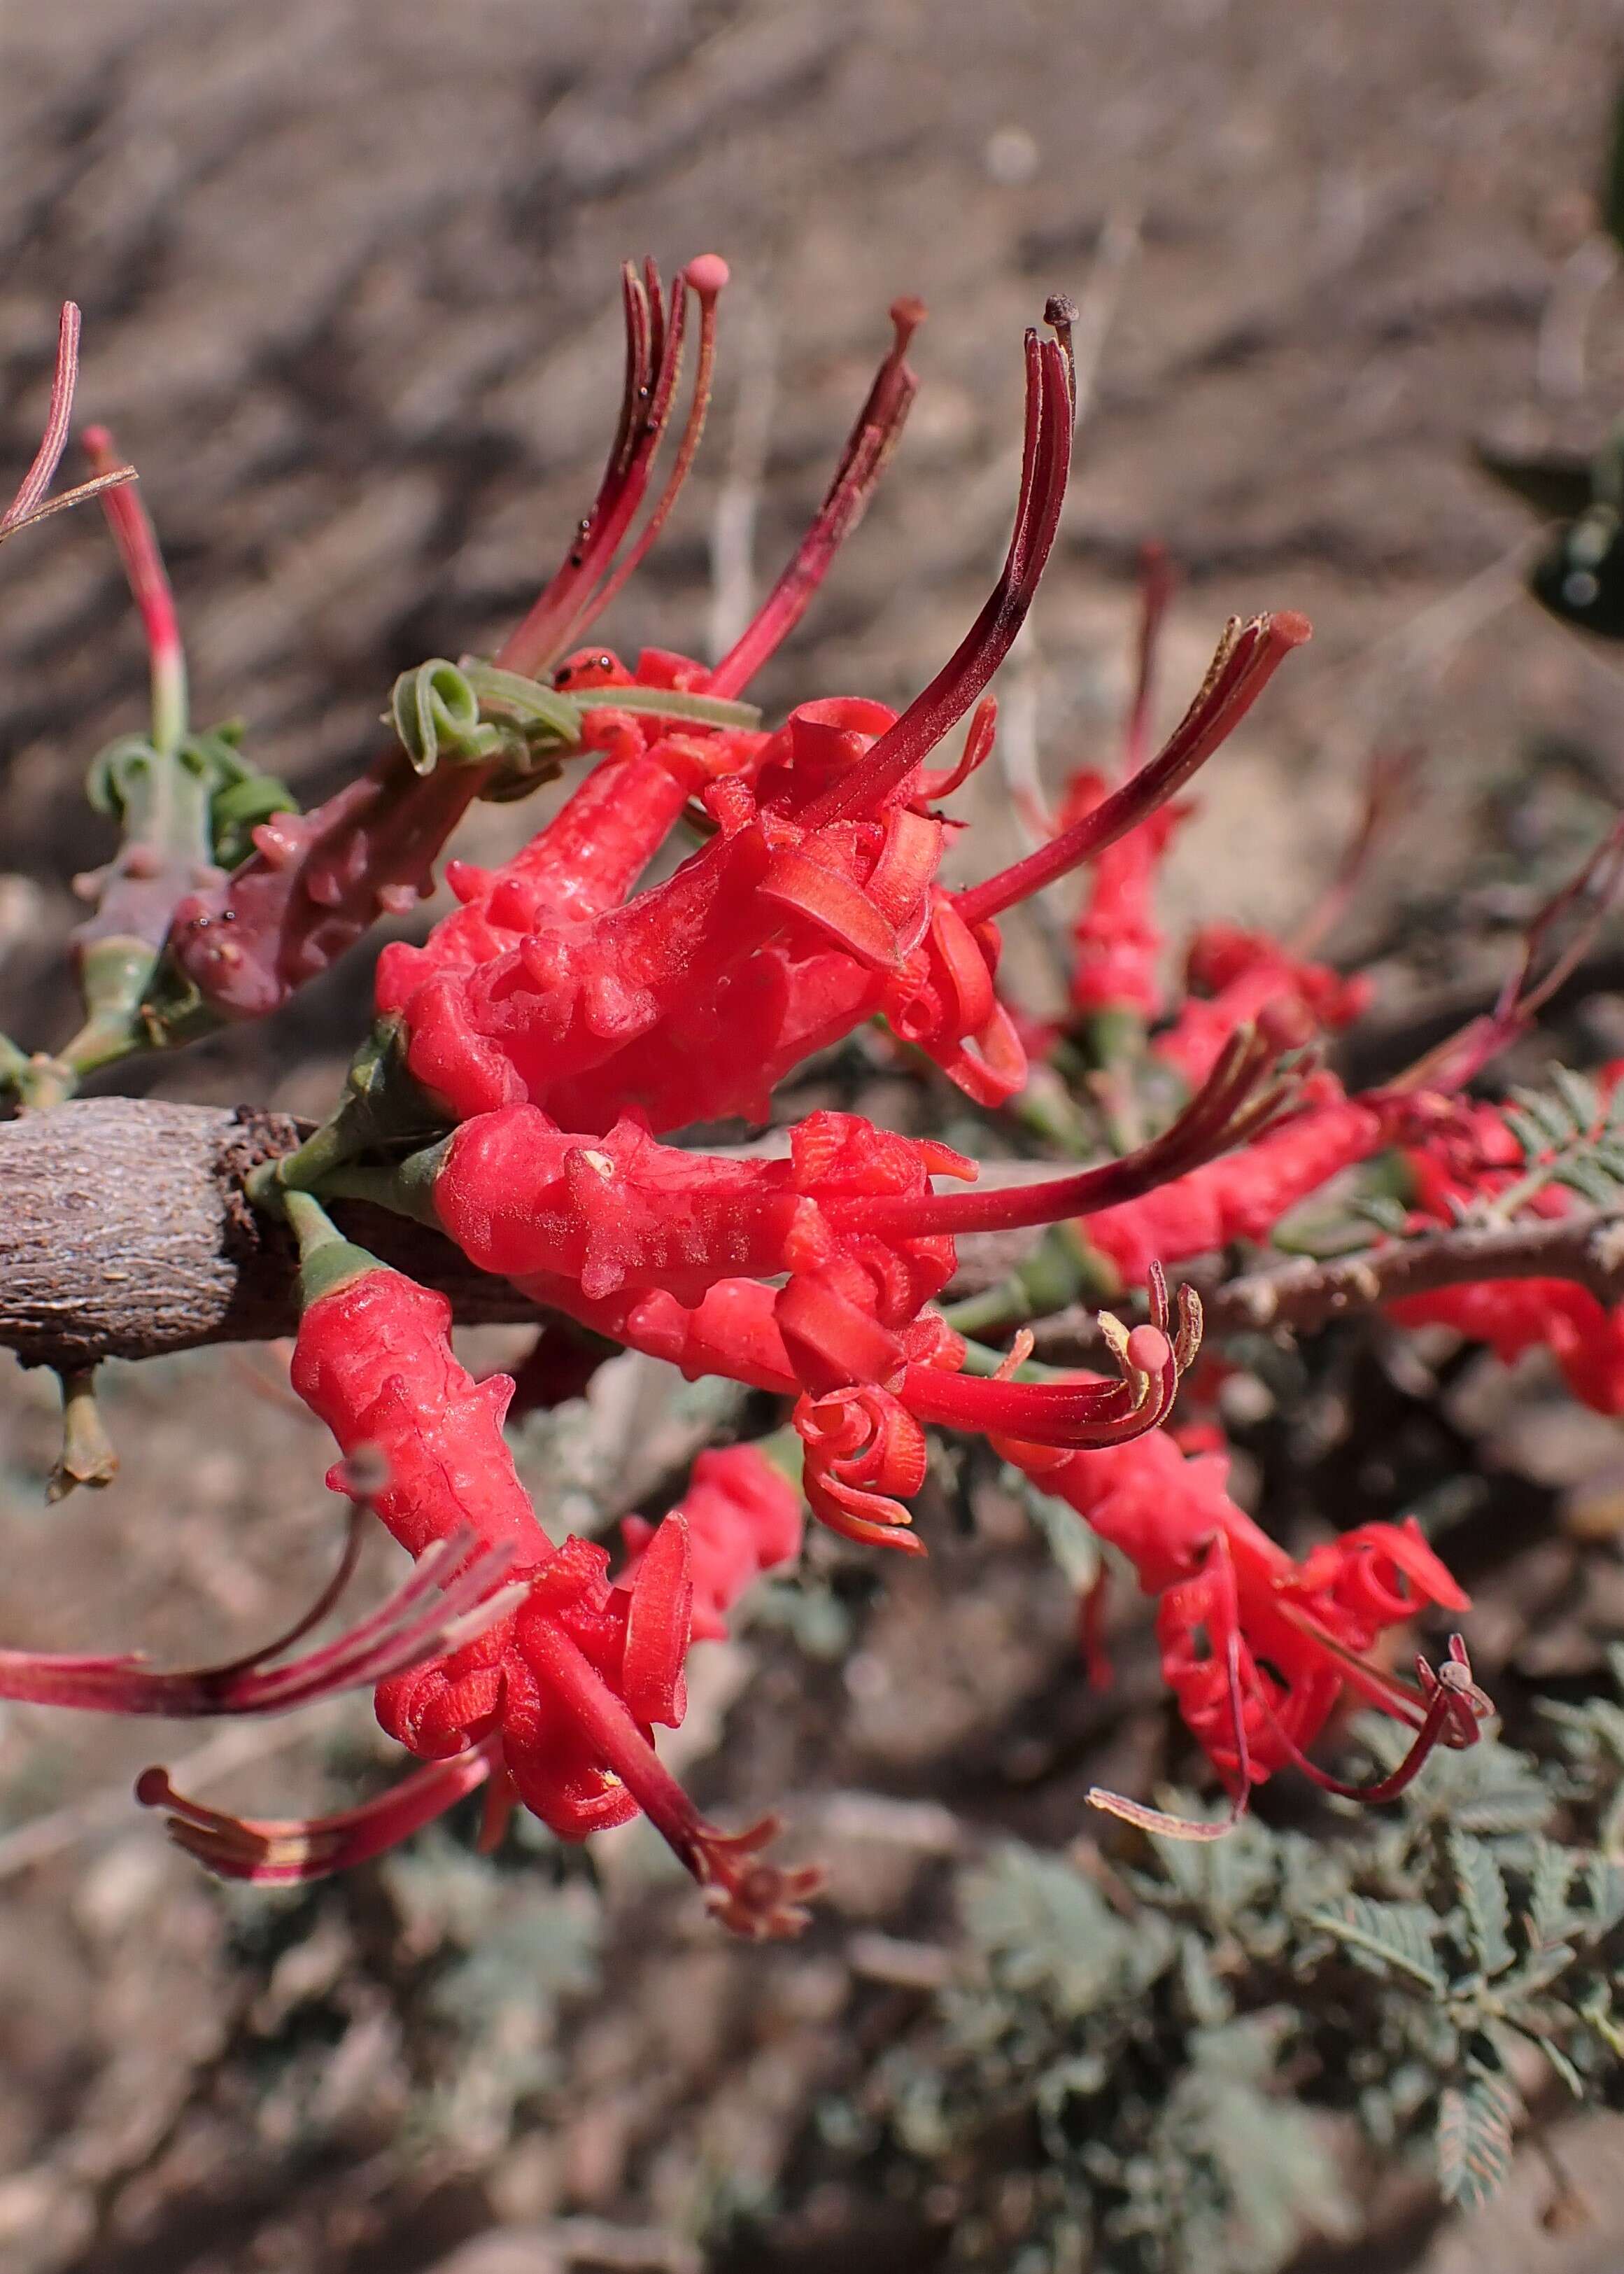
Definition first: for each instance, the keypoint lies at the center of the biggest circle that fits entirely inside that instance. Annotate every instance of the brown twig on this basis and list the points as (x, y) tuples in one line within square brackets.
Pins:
[(1306, 1293), (124, 1233)]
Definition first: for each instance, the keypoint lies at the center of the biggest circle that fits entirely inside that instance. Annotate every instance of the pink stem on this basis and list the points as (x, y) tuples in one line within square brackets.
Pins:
[(143, 565), (47, 457), (867, 449), (285, 1851), (1045, 461), (1246, 661)]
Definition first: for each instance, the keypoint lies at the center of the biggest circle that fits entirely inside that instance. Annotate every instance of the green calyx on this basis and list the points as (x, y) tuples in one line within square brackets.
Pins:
[(382, 1109), (472, 714), (406, 1188), (328, 1260)]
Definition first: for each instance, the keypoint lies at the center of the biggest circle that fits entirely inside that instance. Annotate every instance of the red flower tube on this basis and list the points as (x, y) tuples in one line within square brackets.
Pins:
[(1257, 1648), (566, 1681), (744, 1519)]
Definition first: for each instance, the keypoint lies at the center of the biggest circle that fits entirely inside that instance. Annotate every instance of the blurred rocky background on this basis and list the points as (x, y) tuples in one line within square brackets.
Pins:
[(348, 276)]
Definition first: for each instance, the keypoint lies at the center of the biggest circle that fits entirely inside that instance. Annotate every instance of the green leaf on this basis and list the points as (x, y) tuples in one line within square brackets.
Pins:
[(1209, 2001), (1603, 1881), (1556, 1124), (1043, 1928), (1585, 1176), (1537, 1971), (1580, 1096), (1529, 1135), (1550, 1877), (1397, 1935), (1483, 1901), (1597, 2010), (1560, 2062), (1474, 2139), (1386, 1214)]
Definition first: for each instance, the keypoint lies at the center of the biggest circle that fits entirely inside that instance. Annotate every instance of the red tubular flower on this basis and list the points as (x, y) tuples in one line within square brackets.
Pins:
[(1235, 976), (648, 1244), (583, 1020), (1259, 1649), (318, 880), (1475, 1159), (523, 1199), (744, 1519), (1585, 1338), (557, 1683), (815, 906)]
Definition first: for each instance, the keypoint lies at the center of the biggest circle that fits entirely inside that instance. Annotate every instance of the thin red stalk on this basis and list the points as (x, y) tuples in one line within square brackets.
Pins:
[(1155, 591), (410, 1626), (149, 585), (1460, 1059), (47, 457), (653, 362), (283, 1851), (1209, 1125), (867, 449), (1389, 782), (706, 277), (1045, 461), (1247, 658)]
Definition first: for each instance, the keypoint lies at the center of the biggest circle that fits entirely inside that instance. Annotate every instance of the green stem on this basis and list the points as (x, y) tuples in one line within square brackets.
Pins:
[(980, 1359), (1063, 1269), (328, 1260), (383, 1108), (406, 1188)]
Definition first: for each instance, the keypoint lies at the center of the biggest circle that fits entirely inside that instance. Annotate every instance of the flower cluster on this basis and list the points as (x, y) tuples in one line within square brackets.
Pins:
[(533, 1058)]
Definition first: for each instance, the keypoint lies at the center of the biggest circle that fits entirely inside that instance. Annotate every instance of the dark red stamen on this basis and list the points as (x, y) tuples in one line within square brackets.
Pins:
[(867, 449), (1230, 1107), (1248, 657), (1046, 462), (653, 361)]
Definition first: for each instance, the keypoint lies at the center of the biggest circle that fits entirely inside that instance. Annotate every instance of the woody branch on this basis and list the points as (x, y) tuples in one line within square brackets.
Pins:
[(1306, 1293), (124, 1234)]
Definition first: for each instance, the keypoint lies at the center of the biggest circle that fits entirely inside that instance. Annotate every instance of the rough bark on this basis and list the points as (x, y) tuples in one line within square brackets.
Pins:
[(123, 1233)]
